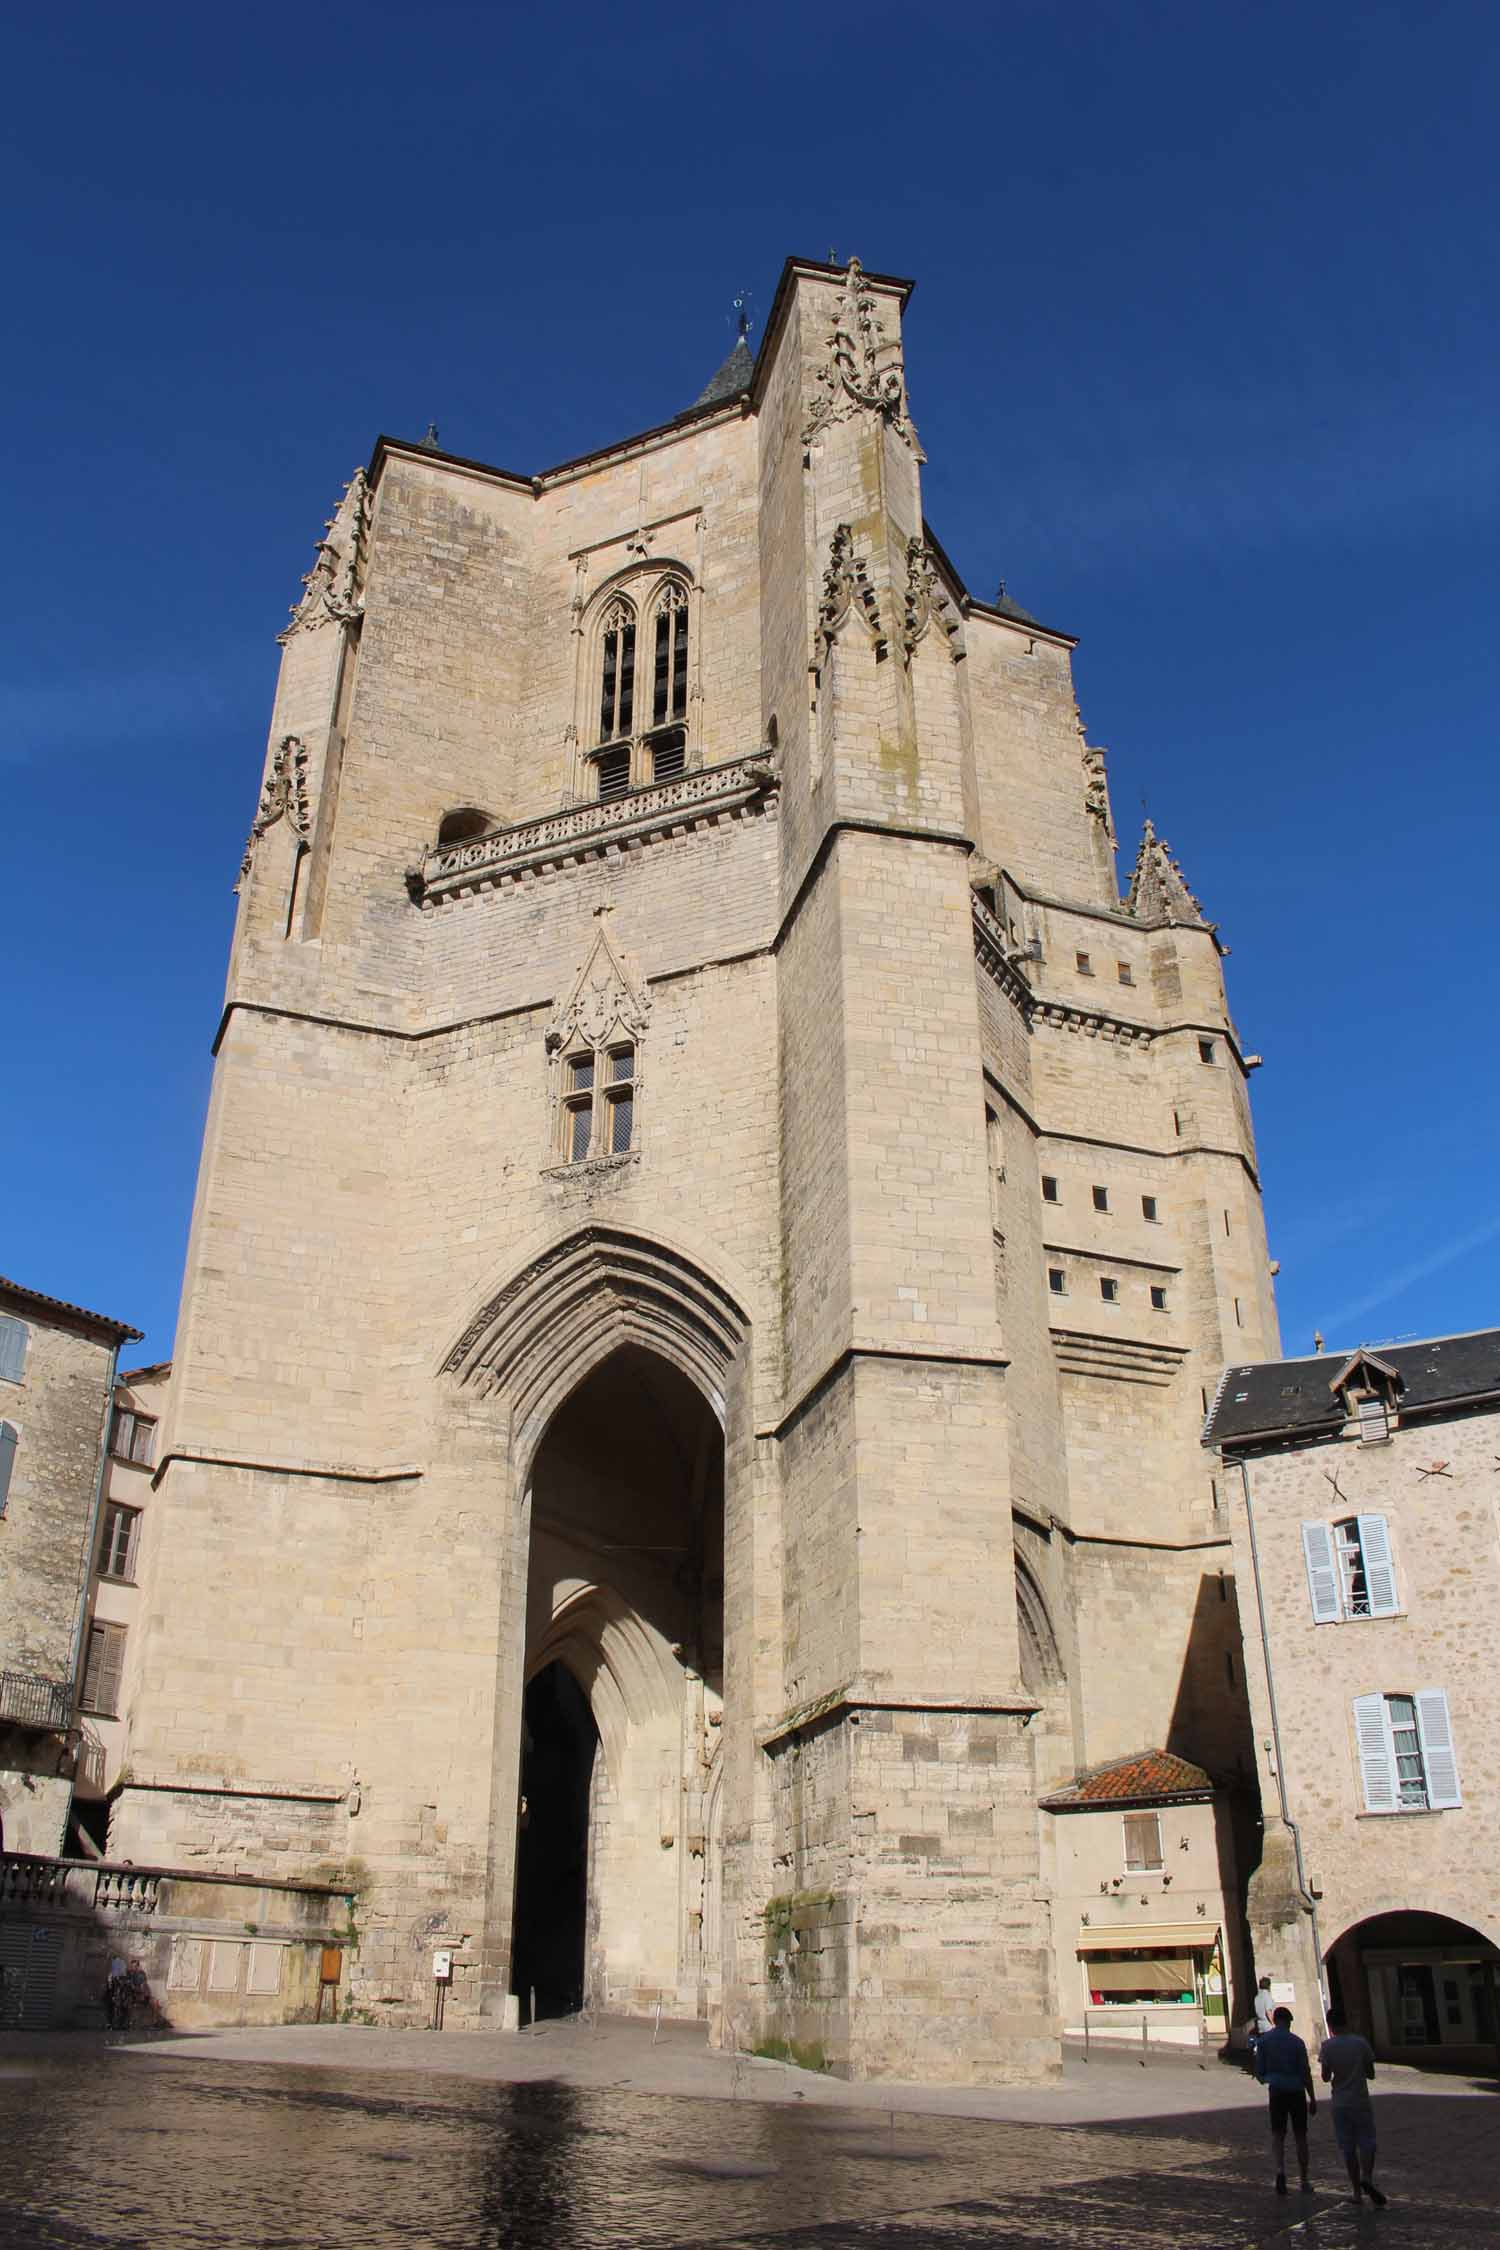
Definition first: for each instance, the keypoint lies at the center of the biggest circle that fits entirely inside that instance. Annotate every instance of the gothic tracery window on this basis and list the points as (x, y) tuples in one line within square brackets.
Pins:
[(642, 732), (617, 678)]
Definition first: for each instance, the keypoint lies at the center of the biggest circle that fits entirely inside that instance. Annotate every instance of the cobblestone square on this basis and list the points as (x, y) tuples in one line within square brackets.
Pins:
[(580, 2141)]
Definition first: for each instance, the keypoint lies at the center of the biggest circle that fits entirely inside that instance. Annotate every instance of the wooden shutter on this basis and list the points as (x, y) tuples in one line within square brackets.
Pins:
[(101, 1679), (7, 1460), (12, 1349), (1377, 1755), (1437, 1749), (1380, 1571), (1322, 1573)]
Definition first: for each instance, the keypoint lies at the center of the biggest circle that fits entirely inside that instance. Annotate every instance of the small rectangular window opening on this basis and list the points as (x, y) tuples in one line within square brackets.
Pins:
[(1143, 1852), (1239, 1318), (1109, 1289), (132, 1437), (1205, 1050), (1049, 1189), (1374, 1422), (669, 755), (1084, 964), (1101, 1199), (1226, 1222), (1057, 1281), (1159, 1304), (1124, 972), (101, 1677), (1410, 1771), (117, 1556), (613, 769), (1148, 1209)]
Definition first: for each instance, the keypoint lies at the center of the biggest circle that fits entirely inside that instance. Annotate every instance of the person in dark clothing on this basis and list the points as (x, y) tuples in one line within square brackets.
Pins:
[(1282, 2067)]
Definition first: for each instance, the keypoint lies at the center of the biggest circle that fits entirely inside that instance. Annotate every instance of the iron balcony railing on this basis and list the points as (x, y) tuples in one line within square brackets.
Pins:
[(28, 1699)]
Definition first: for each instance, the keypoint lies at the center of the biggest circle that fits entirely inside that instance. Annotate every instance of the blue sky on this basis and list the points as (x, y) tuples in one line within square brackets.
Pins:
[(1202, 353)]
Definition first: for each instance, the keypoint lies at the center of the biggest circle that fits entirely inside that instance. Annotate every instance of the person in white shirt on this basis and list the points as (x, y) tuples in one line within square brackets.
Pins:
[(1262, 2019), (1347, 2062)]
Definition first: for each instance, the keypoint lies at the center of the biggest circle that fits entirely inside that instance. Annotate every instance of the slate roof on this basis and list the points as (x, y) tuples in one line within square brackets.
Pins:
[(1005, 607), (1144, 1778), (117, 1328), (736, 375), (1293, 1398)]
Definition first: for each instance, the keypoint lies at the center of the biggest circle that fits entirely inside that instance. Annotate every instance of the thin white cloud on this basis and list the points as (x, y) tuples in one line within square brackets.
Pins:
[(1397, 1284)]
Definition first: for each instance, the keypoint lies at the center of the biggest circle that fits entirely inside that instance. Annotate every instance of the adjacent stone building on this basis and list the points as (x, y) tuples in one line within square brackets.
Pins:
[(113, 1636), (717, 1228), (1144, 1877), (57, 1367), (1364, 1492)]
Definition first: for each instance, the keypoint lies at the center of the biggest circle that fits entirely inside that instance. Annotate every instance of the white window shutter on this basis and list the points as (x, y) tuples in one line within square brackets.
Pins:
[(1437, 1749), (1377, 1760), (1380, 1571), (1322, 1573)]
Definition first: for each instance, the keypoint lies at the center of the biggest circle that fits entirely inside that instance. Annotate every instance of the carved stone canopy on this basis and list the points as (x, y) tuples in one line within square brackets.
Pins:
[(846, 589), (332, 591), (863, 370), (284, 797), (926, 604), (604, 1003)]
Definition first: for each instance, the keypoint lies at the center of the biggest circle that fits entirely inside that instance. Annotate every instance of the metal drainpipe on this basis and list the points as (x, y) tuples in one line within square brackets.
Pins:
[(1265, 1646), (74, 1678)]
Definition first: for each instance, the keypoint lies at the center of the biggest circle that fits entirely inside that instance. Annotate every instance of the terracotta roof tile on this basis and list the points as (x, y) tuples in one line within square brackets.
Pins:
[(1139, 1779), (119, 1328)]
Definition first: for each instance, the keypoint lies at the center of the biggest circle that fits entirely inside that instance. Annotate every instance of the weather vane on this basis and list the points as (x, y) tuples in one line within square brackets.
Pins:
[(741, 310)]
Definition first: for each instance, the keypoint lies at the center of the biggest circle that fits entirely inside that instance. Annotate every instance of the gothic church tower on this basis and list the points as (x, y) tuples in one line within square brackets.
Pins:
[(714, 1226)]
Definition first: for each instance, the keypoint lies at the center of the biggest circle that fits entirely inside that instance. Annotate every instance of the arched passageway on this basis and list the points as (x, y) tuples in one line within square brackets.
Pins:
[(1421, 1987), (624, 1663)]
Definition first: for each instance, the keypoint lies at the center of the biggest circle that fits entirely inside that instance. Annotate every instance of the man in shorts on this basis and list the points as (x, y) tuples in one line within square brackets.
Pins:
[(1348, 2064), (1282, 2066)]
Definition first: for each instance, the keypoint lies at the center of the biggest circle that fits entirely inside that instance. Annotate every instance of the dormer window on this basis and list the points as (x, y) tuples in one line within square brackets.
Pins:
[(1367, 1389)]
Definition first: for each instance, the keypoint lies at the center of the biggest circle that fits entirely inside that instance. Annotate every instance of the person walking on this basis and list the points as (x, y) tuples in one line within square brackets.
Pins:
[(1347, 2062), (1282, 2067), (1260, 2022)]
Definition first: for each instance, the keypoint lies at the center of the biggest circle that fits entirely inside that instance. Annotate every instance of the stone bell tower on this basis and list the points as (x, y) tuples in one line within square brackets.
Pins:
[(899, 1772), (714, 1225)]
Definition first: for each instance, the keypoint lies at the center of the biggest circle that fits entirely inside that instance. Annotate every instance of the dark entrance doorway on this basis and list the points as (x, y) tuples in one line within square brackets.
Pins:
[(557, 1766)]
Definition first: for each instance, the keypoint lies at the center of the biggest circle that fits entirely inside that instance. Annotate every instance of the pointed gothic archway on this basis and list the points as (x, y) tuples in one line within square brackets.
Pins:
[(621, 1368), (625, 1600)]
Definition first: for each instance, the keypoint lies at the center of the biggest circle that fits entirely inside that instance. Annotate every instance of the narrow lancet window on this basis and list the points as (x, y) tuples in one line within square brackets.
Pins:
[(617, 688), (669, 679)]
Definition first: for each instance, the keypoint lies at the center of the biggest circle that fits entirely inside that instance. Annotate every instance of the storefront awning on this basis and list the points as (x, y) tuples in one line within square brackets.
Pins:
[(1119, 1937), (1140, 1976)]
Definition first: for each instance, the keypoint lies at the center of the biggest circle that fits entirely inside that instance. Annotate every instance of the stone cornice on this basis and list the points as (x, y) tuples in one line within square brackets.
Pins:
[(1062, 1015), (697, 800), (993, 952)]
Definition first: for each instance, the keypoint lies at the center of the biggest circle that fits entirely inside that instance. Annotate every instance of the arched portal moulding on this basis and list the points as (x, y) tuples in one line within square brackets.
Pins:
[(527, 1346), (1454, 1906), (579, 1298)]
